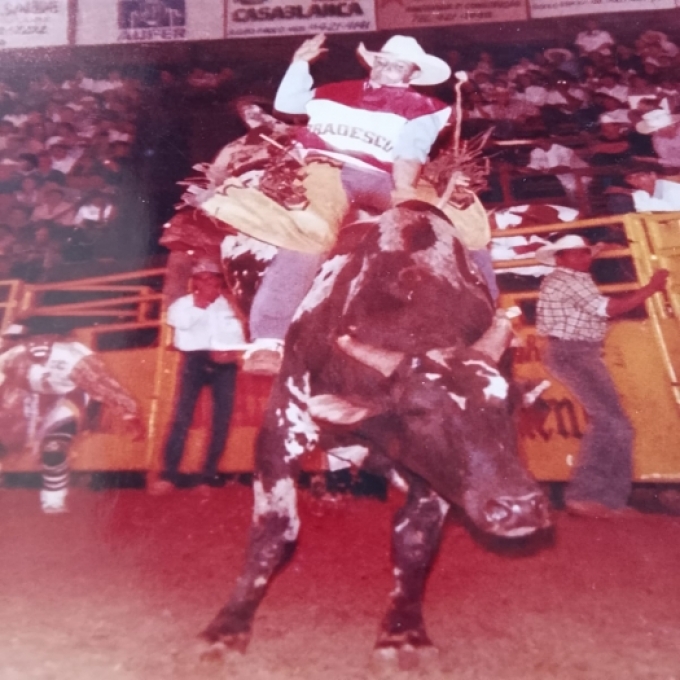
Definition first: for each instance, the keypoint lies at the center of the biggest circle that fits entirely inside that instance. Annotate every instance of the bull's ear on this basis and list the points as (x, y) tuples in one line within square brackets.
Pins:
[(331, 408)]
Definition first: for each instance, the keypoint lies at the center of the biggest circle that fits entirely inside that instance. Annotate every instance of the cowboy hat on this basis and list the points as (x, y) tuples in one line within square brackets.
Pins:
[(546, 254), (432, 70), (656, 120)]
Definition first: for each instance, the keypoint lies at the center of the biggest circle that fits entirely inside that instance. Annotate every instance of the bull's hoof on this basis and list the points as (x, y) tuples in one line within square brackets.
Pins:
[(220, 651), (404, 656)]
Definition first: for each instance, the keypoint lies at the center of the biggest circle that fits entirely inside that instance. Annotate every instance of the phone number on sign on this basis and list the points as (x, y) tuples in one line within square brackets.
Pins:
[(314, 27)]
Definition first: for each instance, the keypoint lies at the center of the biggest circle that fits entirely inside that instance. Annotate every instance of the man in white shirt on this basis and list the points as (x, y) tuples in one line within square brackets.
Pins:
[(664, 127), (378, 132), (550, 156), (652, 194), (594, 40), (206, 327)]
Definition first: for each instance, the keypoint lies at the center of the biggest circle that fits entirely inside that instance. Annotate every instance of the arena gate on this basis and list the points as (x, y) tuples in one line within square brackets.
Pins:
[(122, 317)]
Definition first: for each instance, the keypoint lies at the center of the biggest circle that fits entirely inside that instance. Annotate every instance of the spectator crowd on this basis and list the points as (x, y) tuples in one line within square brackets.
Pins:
[(65, 157), (570, 122)]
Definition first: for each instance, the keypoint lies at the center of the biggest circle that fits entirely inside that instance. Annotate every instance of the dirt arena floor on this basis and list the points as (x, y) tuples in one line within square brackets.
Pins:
[(118, 589)]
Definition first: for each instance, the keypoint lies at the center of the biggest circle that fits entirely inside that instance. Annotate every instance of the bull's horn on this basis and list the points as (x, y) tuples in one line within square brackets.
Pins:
[(497, 337), (332, 408), (383, 360)]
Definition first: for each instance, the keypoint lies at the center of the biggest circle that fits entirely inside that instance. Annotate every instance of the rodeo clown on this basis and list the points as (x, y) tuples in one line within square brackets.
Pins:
[(46, 382), (365, 144)]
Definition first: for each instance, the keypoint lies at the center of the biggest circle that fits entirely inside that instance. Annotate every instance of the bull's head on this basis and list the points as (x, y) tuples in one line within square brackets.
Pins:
[(456, 430)]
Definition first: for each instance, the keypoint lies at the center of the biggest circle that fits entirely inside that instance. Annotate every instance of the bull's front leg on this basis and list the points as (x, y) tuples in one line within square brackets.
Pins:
[(287, 432), (415, 540)]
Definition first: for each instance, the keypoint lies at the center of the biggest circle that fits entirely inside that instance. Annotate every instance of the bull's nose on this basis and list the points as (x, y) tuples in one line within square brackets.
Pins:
[(517, 516)]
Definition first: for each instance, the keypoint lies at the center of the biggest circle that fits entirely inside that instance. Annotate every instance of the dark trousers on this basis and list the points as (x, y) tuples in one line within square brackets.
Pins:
[(604, 469), (198, 371)]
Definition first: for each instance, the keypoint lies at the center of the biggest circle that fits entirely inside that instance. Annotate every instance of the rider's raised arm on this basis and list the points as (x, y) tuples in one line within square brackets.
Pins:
[(296, 89), (297, 86)]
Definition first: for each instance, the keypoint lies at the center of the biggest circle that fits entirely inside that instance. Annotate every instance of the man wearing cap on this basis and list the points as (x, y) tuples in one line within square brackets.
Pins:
[(664, 127), (207, 331), (364, 145), (572, 315), (46, 381)]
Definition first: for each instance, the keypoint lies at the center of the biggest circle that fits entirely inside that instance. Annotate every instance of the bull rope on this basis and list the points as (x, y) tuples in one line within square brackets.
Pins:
[(461, 78)]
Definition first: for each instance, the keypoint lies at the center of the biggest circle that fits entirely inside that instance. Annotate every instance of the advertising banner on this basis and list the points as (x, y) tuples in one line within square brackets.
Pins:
[(540, 9), (258, 18), (33, 23), (416, 13), (103, 22), (149, 20)]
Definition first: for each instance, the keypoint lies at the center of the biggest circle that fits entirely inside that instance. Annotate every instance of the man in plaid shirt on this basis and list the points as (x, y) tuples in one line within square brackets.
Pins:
[(573, 315)]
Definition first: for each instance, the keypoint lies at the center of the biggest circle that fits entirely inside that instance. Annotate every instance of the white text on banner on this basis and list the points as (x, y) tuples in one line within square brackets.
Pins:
[(415, 13), (33, 23), (258, 18)]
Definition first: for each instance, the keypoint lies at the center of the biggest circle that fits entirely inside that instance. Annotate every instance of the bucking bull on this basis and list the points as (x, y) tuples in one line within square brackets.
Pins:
[(391, 364)]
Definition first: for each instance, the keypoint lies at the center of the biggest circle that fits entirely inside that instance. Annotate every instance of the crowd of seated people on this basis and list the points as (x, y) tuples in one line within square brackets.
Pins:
[(568, 122), (65, 146), (578, 116)]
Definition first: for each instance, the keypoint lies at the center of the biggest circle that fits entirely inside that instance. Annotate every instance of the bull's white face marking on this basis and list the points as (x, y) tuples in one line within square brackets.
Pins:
[(438, 356), (355, 454), (323, 284), (234, 245), (302, 433), (498, 386), (281, 500), (457, 399)]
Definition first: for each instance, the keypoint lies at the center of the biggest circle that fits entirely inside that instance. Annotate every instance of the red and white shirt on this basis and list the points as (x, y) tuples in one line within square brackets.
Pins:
[(360, 123)]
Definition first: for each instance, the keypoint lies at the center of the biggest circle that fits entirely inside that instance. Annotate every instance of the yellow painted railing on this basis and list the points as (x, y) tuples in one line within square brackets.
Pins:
[(122, 318)]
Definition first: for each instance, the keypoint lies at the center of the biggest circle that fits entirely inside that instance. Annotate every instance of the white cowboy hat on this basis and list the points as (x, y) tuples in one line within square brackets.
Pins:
[(546, 254), (652, 121), (432, 70)]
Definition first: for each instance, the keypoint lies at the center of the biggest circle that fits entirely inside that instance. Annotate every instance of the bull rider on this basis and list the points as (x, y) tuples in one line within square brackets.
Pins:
[(365, 144)]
